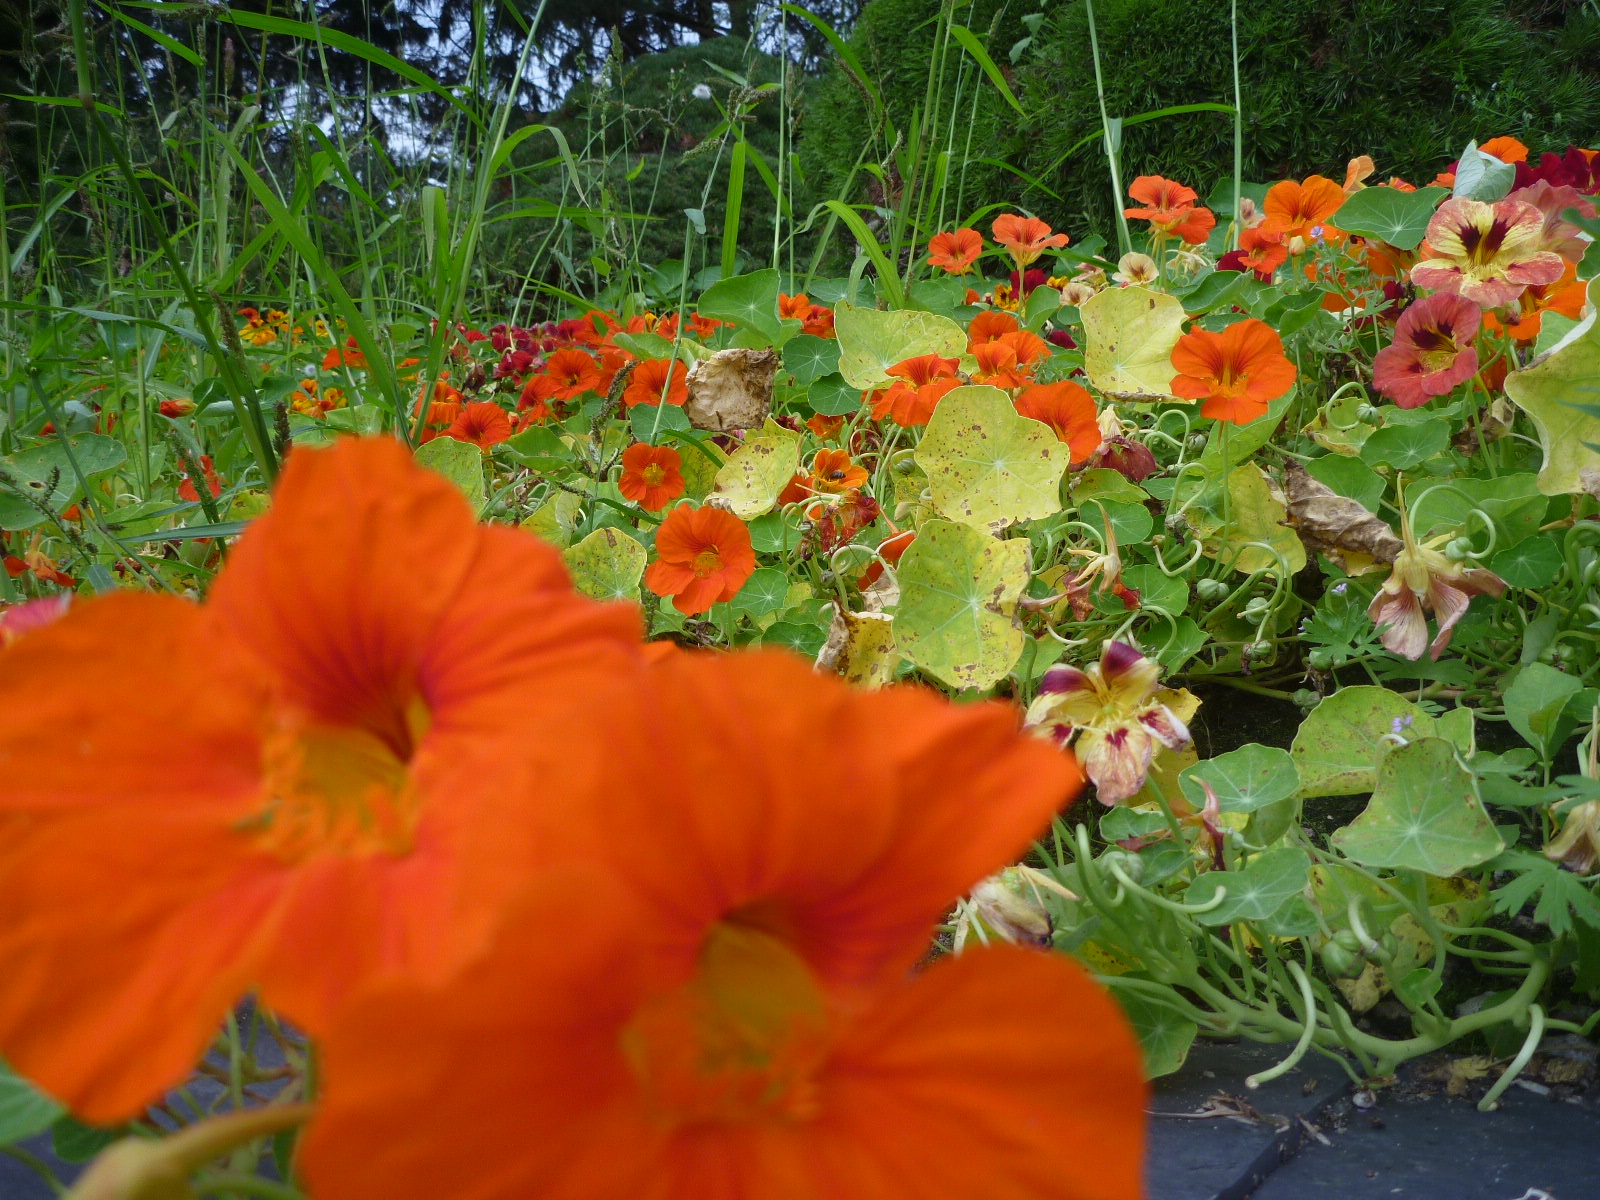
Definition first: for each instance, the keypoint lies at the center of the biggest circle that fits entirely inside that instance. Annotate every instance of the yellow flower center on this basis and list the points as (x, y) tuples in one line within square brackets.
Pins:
[(337, 788), (742, 1040), (653, 475), (707, 562)]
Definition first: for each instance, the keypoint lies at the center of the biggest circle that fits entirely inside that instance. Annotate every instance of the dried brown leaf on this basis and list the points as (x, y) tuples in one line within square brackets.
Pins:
[(1335, 525)]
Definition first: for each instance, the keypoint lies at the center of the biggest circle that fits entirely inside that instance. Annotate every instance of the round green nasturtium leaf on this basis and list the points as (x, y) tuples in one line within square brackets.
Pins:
[(1389, 215), (1267, 883), (988, 466), (747, 485), (766, 591), (32, 468), (1244, 780), (459, 462), (1129, 333), (1337, 747), (556, 519), (1165, 1035), (872, 340), (1532, 563), (1561, 392), (958, 598), (1425, 815), (808, 358), (606, 565), (749, 301)]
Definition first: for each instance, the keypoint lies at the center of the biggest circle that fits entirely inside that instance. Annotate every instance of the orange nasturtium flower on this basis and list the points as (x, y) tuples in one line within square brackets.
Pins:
[(1237, 372), (729, 1007), (654, 378), (574, 373), (955, 252), (295, 787), (1069, 410), (1025, 238), (703, 556), (920, 383), (1297, 210), (482, 424), (652, 476)]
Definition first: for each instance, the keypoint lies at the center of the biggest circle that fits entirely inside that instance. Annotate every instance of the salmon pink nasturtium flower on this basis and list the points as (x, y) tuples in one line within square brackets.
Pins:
[(1237, 372), (1026, 238), (729, 1007), (1432, 350), (1113, 709), (1422, 580), (1171, 209), (296, 787), (1486, 253), (703, 557), (955, 252), (652, 476)]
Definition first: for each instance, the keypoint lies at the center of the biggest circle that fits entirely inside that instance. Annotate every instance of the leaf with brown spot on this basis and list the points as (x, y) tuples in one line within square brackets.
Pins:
[(1336, 526)]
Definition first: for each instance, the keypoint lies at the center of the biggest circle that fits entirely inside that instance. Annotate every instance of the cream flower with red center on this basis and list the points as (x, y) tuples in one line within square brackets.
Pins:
[(1113, 709), (1486, 253)]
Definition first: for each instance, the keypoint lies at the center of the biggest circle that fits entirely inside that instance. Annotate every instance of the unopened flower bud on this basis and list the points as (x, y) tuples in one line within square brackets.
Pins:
[(1008, 908)]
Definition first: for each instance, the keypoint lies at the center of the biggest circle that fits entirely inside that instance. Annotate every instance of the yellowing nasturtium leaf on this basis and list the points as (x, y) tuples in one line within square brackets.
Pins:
[(860, 648), (1568, 375), (459, 462), (748, 484), (606, 565), (1337, 747), (1250, 528), (555, 519), (958, 598), (987, 466), (1129, 334), (1425, 815), (871, 341)]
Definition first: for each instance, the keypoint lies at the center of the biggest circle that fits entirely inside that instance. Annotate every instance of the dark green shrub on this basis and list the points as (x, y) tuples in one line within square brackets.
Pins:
[(1406, 81), (895, 41)]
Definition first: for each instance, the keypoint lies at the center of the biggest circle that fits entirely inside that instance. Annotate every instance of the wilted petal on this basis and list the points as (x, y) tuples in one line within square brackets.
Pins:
[(1164, 725), (1402, 628), (1117, 761)]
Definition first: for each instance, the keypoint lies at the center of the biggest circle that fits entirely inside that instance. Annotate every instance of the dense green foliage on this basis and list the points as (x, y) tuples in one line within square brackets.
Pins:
[(1407, 82)]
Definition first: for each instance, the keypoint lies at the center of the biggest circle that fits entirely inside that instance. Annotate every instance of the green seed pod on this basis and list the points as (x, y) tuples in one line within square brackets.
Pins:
[(1340, 963), (1210, 589)]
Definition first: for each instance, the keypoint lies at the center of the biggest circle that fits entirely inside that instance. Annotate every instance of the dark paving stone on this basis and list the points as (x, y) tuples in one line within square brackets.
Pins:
[(1193, 1156), (1433, 1147)]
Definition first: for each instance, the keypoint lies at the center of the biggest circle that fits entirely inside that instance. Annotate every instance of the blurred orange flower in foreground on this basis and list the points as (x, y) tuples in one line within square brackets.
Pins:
[(295, 787), (729, 1008)]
